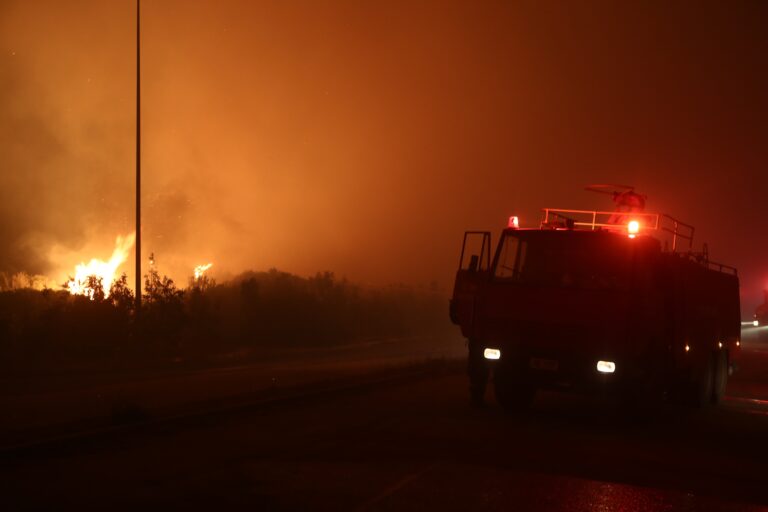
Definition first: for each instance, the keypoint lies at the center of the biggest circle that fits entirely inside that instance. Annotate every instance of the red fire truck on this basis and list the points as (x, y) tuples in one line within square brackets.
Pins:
[(593, 301)]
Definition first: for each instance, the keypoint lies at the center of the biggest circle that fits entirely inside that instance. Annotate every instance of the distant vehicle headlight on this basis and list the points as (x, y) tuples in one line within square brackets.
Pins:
[(492, 353), (606, 366)]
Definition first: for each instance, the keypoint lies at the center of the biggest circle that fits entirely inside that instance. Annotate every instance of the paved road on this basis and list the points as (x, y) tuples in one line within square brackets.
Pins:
[(40, 407), (417, 445)]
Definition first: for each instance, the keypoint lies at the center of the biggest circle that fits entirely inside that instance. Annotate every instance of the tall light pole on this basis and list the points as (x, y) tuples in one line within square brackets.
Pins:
[(138, 157)]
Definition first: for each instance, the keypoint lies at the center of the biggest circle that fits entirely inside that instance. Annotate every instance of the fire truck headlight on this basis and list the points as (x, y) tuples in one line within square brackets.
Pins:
[(755, 323), (492, 353), (606, 366)]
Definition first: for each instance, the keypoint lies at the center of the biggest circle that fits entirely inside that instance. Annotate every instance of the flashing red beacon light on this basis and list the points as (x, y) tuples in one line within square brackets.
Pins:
[(514, 222), (633, 228)]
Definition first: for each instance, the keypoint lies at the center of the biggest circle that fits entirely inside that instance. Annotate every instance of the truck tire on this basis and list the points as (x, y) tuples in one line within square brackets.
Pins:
[(720, 376), (477, 371), (513, 394), (701, 390)]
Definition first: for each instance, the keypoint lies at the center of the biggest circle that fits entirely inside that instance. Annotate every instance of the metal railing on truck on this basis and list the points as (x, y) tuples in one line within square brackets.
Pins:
[(594, 220)]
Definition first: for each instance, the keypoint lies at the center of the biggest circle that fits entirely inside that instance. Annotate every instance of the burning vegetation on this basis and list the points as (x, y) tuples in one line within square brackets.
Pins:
[(200, 270), (98, 279), (98, 274)]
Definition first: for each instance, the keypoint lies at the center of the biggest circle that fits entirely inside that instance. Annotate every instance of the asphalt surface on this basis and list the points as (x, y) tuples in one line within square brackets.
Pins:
[(417, 445), (42, 407)]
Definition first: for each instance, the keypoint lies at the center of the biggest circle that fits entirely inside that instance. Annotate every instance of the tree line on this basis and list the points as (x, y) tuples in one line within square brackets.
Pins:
[(256, 310)]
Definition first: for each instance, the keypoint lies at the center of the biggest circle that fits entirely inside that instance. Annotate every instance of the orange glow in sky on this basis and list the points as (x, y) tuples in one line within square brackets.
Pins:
[(364, 137)]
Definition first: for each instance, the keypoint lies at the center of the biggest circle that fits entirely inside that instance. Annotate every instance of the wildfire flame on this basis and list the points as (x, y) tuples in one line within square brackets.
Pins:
[(200, 270), (105, 270)]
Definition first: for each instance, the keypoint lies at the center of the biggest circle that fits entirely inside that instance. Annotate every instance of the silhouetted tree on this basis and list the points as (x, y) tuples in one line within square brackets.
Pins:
[(120, 295), (160, 290), (162, 315), (202, 283), (96, 285)]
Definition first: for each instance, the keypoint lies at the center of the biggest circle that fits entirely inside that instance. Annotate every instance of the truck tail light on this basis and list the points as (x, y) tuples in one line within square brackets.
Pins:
[(606, 366)]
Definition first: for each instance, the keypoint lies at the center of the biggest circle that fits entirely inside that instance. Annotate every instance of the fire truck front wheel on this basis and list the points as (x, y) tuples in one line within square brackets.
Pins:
[(477, 370), (720, 376)]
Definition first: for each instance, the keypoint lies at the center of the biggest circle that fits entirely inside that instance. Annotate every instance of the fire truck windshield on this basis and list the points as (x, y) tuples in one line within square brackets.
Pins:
[(565, 260)]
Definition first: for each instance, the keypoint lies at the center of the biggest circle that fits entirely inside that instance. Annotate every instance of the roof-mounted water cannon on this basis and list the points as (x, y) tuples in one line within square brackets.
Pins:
[(624, 196)]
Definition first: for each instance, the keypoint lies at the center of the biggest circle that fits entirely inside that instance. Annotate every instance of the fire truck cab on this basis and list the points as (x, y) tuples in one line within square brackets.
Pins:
[(606, 302)]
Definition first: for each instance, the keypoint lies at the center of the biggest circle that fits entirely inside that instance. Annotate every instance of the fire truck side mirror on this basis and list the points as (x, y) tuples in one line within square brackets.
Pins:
[(473, 261), (475, 251)]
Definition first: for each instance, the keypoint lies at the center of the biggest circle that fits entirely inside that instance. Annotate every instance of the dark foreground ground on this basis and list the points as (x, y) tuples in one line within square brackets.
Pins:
[(416, 445)]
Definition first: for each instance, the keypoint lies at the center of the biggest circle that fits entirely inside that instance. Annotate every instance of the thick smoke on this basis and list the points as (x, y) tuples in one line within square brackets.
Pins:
[(36, 193), (365, 137)]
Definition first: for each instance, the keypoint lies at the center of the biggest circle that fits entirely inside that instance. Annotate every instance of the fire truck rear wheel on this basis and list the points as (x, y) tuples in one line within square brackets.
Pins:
[(701, 389), (720, 376)]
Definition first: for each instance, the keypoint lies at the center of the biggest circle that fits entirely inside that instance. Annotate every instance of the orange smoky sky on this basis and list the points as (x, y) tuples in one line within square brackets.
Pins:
[(365, 137)]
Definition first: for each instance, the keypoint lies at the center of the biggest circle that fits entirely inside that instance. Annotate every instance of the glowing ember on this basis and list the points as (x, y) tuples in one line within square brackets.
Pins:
[(200, 270), (104, 270)]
